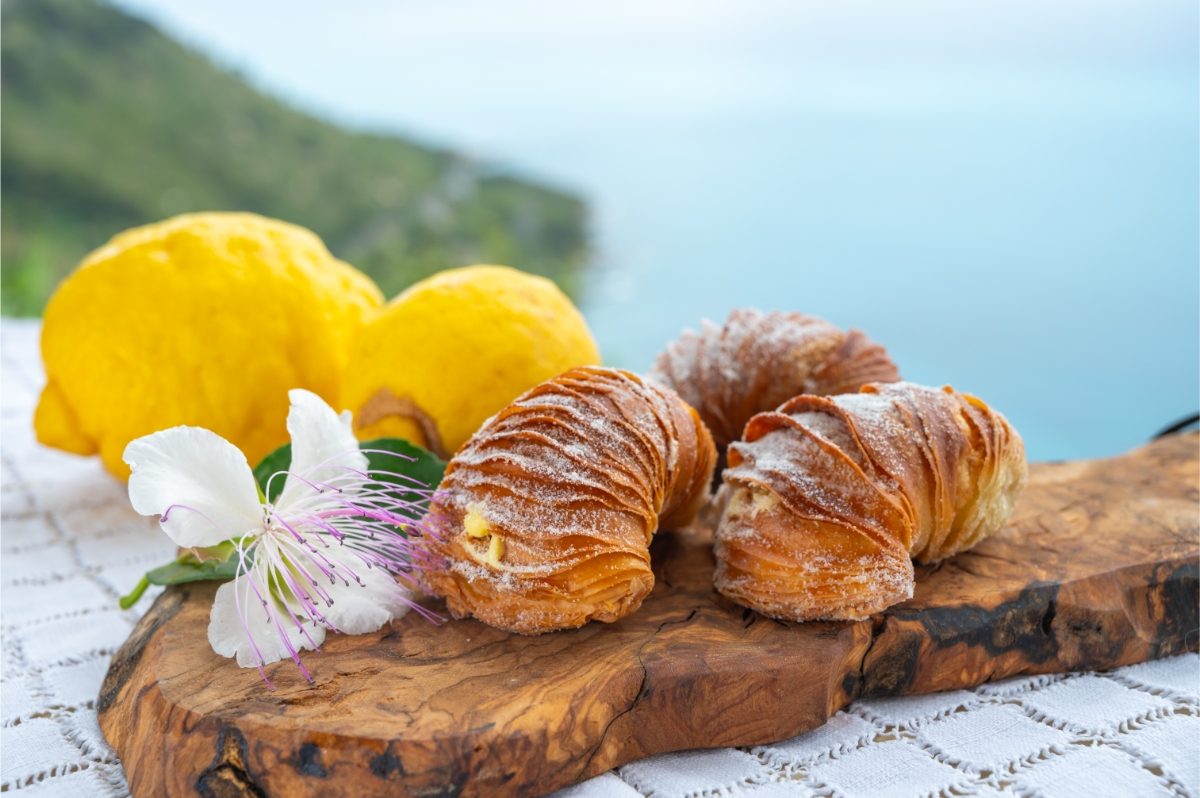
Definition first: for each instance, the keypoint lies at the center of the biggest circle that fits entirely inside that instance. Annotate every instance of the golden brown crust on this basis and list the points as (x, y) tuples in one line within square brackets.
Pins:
[(572, 478), (831, 498), (755, 361)]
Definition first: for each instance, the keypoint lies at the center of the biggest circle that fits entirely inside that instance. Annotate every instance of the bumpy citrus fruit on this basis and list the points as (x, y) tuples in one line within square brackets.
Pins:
[(456, 348), (204, 319)]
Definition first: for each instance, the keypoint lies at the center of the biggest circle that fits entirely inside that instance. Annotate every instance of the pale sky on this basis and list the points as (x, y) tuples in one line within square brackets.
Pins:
[(507, 77)]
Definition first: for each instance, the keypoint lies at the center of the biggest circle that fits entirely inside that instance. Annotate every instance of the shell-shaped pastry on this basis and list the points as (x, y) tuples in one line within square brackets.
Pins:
[(755, 361), (830, 499), (545, 516)]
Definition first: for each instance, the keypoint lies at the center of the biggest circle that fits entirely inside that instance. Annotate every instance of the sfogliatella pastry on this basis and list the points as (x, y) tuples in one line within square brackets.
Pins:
[(545, 516), (832, 498), (755, 361)]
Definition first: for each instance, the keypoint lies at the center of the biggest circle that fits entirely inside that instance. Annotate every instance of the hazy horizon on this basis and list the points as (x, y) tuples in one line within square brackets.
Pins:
[(1002, 193)]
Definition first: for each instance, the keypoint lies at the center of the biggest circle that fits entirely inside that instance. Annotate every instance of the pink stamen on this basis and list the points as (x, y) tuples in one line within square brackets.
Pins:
[(354, 511)]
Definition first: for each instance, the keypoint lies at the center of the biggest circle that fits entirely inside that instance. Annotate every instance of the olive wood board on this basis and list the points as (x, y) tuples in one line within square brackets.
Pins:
[(1097, 568)]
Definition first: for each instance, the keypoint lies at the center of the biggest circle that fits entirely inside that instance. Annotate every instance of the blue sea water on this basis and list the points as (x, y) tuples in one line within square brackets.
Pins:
[(1003, 193)]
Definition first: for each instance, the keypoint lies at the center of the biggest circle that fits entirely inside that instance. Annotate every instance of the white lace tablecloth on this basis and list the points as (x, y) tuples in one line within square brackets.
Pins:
[(70, 545)]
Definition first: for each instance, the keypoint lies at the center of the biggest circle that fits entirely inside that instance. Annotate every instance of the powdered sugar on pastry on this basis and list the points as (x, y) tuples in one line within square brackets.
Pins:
[(755, 361), (544, 518), (864, 483)]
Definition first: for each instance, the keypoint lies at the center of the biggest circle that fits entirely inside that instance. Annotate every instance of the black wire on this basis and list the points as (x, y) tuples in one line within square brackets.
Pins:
[(1178, 426)]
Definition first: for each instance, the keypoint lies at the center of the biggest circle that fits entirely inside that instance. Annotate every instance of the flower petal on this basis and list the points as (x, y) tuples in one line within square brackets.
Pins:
[(323, 447), (197, 482), (358, 609), (251, 631)]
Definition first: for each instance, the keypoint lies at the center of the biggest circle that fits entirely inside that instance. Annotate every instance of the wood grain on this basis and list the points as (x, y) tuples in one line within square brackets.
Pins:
[(1098, 568)]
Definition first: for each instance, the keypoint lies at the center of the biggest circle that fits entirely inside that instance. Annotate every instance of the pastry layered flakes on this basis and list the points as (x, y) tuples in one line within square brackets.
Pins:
[(755, 361), (832, 498), (545, 516)]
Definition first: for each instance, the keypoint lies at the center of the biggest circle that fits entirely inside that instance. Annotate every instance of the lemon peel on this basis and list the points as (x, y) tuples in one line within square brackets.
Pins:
[(455, 349), (205, 319)]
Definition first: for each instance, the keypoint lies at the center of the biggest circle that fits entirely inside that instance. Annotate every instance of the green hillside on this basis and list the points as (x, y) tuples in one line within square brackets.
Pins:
[(108, 123)]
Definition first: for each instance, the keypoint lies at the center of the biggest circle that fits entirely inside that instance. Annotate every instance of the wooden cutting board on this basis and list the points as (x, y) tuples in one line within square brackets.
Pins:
[(1098, 568)]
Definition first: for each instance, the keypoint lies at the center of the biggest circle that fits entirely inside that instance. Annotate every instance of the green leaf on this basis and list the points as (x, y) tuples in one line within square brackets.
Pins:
[(424, 466), (188, 569), (276, 461), (218, 563)]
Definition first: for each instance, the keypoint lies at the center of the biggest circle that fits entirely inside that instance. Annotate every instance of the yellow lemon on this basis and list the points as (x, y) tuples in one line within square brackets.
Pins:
[(454, 349), (204, 319)]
